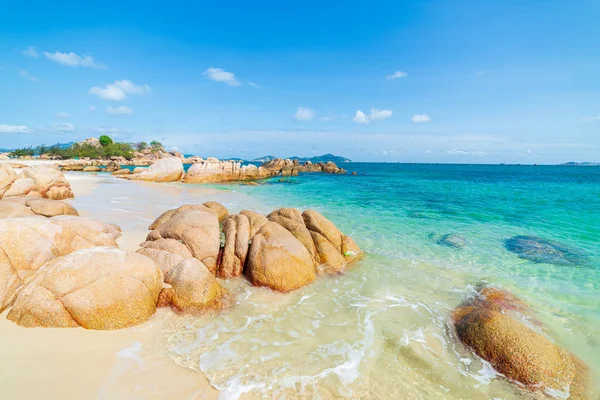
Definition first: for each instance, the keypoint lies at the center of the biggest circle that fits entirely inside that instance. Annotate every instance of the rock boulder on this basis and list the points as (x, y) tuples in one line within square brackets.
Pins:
[(99, 288), (276, 259)]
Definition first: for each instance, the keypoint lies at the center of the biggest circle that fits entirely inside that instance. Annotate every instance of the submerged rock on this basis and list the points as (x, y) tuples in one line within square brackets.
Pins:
[(99, 288), (542, 251), (514, 349), (452, 240)]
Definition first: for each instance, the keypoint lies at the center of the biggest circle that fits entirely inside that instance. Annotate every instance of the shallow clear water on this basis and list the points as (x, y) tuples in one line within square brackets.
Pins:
[(383, 329)]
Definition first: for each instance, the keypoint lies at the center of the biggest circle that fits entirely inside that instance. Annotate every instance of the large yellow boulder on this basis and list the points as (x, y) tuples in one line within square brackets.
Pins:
[(186, 207), (28, 243), (334, 250), (220, 209), (291, 219), (198, 229), (277, 259), (485, 324), (99, 288)]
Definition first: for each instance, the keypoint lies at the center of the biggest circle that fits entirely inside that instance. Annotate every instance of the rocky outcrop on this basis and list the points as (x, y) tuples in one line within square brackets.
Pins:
[(212, 170), (28, 243), (91, 168), (193, 288), (164, 170), (99, 288), (41, 181), (288, 167), (486, 324), (91, 141), (123, 171), (276, 259)]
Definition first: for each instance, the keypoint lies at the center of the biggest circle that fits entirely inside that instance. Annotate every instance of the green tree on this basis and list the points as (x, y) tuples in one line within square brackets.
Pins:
[(25, 151), (156, 145), (141, 146), (105, 140)]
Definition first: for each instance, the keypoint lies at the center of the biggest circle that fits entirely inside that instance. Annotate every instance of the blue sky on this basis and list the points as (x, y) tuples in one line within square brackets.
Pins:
[(425, 81)]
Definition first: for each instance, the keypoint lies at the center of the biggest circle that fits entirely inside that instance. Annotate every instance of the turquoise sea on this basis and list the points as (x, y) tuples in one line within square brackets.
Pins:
[(383, 329)]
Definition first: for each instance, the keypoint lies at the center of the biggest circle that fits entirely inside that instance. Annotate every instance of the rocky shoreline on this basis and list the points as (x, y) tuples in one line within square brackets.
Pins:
[(61, 270), (169, 168)]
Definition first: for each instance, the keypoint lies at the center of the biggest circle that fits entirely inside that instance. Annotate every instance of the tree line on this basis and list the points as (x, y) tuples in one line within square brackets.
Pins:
[(108, 148)]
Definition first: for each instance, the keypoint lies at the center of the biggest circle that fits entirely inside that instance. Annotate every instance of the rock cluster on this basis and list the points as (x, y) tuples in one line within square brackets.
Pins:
[(40, 181), (486, 324), (283, 251)]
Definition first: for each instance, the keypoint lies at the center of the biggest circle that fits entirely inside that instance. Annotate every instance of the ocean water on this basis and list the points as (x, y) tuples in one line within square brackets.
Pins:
[(383, 329)]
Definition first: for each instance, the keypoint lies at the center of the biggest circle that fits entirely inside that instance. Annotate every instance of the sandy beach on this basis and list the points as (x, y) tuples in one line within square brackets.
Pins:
[(77, 363)]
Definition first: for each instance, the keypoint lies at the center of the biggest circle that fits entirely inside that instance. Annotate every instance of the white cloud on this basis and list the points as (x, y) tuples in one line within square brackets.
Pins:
[(92, 108), (62, 115), (25, 74), (220, 75), (420, 118), (457, 152), (254, 85), (30, 51), (64, 127), (360, 117), (73, 60), (592, 118), (304, 114), (14, 129), (121, 110), (396, 75), (380, 114), (119, 90)]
